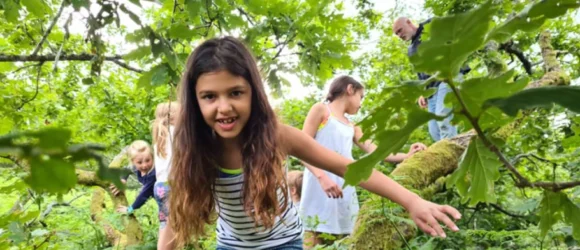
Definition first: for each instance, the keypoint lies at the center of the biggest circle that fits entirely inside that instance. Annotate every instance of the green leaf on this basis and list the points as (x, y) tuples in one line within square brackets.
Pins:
[(77, 4), (11, 11), (17, 234), (572, 216), (193, 8), (37, 7), (138, 53), (145, 80), (477, 173), (550, 210), (452, 39), (390, 142), (476, 91), (88, 81), (170, 57), (51, 175), (159, 75), (181, 31), (53, 138), (531, 18), (566, 96)]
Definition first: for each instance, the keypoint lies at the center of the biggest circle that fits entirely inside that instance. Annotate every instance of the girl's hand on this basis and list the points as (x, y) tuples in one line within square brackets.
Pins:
[(114, 190), (416, 147), (427, 216), (122, 209), (330, 188)]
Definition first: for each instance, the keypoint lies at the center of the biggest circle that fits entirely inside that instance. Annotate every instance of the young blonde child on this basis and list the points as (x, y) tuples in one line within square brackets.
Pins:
[(141, 157), (162, 133), (228, 160), (295, 186)]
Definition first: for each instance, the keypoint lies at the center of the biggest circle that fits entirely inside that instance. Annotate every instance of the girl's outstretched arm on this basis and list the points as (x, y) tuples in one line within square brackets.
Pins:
[(368, 146), (425, 214)]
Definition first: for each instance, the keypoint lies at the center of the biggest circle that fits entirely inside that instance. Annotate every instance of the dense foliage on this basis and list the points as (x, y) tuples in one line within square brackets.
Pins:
[(80, 80)]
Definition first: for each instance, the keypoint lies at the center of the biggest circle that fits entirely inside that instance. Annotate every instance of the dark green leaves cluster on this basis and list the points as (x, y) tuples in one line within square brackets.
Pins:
[(50, 160)]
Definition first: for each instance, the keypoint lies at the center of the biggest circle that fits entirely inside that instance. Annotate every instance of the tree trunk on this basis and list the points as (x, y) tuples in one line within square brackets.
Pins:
[(426, 171), (132, 233)]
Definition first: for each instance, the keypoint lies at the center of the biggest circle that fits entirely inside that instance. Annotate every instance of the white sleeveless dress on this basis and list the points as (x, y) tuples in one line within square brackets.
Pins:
[(335, 216)]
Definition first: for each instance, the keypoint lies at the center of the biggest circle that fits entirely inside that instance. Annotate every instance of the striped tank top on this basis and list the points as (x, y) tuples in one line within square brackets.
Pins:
[(237, 230)]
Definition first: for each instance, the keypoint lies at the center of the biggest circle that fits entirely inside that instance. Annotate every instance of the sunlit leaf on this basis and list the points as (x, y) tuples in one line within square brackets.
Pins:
[(37, 7)]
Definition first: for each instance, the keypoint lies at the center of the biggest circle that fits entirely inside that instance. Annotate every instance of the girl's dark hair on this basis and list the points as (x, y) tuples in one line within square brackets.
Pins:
[(196, 152), (339, 85)]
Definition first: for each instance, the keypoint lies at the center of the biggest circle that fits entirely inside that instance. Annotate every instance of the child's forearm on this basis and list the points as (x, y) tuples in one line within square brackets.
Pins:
[(384, 186), (396, 158)]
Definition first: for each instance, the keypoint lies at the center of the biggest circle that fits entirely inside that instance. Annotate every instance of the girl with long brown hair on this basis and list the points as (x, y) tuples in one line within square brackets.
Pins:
[(228, 159)]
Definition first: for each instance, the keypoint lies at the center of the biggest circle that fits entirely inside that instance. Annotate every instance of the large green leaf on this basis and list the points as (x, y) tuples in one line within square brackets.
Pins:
[(181, 31), (452, 39), (572, 216), (11, 10), (51, 175), (477, 173), (566, 96), (37, 7), (531, 18), (390, 142), (53, 138), (555, 207), (138, 53)]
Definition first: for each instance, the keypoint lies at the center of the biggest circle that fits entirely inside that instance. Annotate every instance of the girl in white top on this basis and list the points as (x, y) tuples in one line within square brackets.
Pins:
[(162, 132), (325, 208)]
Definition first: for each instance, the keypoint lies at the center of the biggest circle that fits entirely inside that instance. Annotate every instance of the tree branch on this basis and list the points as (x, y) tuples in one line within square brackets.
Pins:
[(36, 92), (47, 32), (498, 208), (52, 57), (127, 66), (58, 204), (71, 57), (510, 48)]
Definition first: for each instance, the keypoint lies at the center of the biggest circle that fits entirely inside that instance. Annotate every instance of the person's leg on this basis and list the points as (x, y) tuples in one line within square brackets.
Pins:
[(446, 130), (160, 193), (432, 125), (311, 239)]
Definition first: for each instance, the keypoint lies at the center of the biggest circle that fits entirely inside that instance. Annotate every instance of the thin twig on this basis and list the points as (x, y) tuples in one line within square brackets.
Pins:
[(127, 66), (47, 32), (498, 208), (36, 92)]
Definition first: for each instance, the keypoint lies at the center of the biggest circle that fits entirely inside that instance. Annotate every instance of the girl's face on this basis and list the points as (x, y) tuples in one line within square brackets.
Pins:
[(225, 102), (354, 99), (143, 161)]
